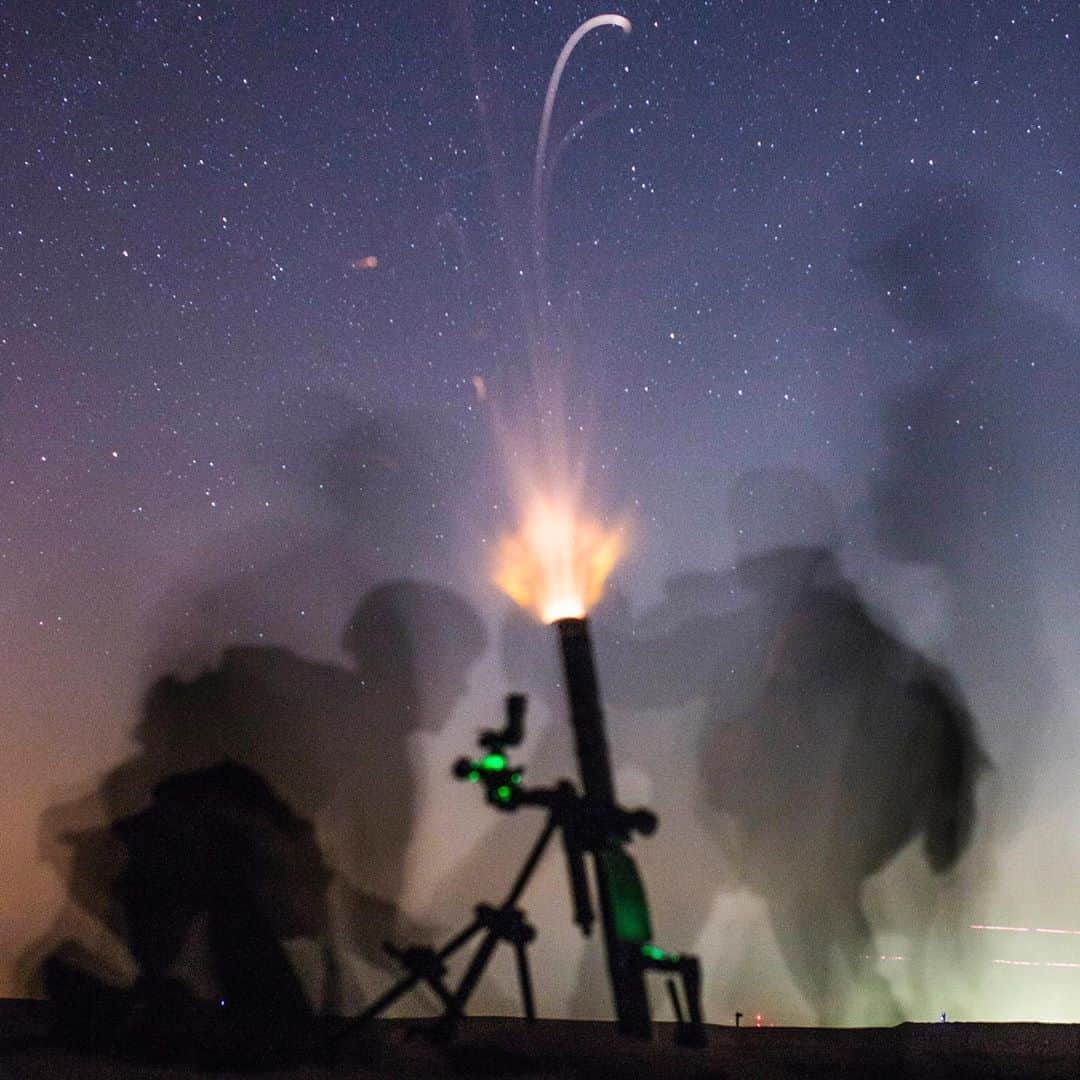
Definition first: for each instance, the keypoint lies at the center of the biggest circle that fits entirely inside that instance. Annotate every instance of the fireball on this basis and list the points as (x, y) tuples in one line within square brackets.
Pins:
[(556, 563)]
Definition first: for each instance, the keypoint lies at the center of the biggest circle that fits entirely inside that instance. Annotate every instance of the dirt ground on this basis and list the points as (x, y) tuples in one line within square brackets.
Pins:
[(563, 1049)]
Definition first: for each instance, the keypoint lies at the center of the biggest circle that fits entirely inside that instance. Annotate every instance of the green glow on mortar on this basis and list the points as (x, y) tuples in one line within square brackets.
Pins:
[(654, 952), (627, 896)]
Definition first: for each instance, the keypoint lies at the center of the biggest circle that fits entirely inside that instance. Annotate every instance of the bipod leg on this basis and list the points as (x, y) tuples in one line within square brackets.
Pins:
[(530, 864), (676, 1004), (690, 1024), (504, 923), (424, 965), (692, 1033), (455, 1007), (628, 988), (525, 979)]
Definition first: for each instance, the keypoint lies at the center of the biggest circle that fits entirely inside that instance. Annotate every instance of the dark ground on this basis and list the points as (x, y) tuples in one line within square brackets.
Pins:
[(563, 1049)]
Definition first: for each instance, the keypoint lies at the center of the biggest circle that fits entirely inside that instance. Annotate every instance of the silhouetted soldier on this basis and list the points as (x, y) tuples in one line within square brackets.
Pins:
[(413, 646), (220, 873), (337, 743), (825, 746), (830, 744), (334, 744), (979, 476)]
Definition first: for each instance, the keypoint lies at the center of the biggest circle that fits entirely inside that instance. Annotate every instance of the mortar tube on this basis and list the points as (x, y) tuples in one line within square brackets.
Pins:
[(586, 714)]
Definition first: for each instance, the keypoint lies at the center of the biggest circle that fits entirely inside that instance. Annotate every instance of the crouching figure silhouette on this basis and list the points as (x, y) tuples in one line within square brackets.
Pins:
[(220, 872)]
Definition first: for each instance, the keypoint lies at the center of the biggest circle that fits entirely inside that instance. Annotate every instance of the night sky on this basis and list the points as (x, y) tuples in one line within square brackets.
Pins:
[(266, 281)]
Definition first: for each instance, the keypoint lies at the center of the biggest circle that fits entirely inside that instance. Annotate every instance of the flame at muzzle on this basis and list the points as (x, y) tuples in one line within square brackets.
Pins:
[(557, 562)]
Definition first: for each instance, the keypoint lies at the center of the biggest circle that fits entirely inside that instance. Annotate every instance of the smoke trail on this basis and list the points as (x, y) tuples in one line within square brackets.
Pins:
[(545, 126), (545, 461)]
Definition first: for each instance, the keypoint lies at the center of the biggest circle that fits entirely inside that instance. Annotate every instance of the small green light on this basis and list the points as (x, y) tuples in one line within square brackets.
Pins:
[(493, 763), (473, 776), (503, 792), (515, 778), (653, 952)]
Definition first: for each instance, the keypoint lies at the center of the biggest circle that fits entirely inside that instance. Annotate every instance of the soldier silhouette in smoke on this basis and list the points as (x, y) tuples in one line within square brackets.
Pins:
[(221, 869), (314, 741), (413, 646), (832, 744), (979, 477), (826, 743)]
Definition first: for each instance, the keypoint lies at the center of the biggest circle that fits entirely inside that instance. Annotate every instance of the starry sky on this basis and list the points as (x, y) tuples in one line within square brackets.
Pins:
[(266, 273)]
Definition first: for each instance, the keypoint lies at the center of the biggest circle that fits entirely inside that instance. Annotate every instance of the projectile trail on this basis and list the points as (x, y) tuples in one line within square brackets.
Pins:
[(549, 105)]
